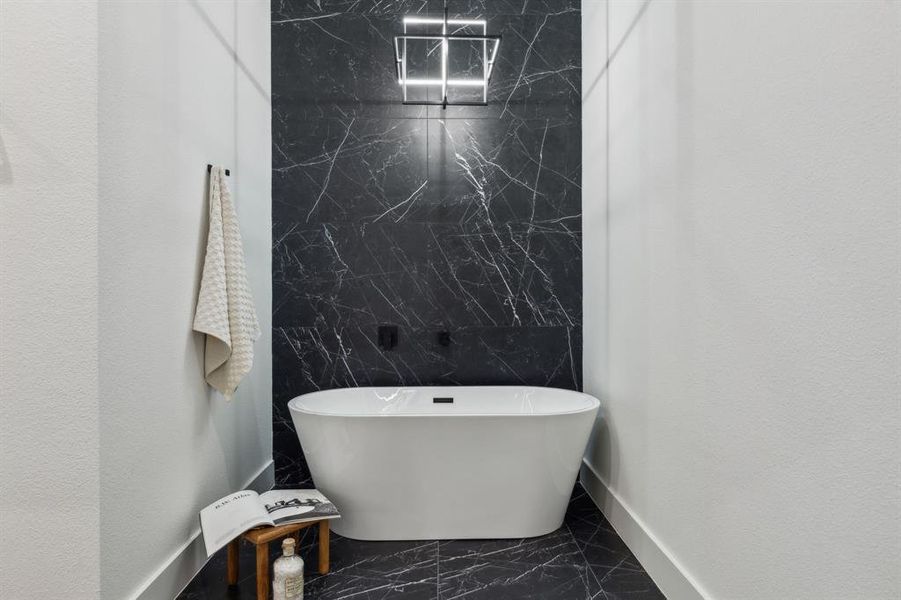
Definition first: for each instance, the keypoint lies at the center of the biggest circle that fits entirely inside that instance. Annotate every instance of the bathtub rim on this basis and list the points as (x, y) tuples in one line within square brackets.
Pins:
[(293, 403)]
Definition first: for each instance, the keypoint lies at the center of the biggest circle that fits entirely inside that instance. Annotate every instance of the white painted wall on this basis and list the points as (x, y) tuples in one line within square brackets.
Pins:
[(744, 338), (182, 84), (109, 113), (48, 301)]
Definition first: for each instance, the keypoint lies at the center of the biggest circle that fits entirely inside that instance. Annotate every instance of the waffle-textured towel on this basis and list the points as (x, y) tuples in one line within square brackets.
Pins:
[(225, 311)]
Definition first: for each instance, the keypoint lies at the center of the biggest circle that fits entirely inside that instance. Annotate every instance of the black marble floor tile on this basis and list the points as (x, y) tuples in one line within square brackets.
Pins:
[(615, 567), (378, 570), (550, 566), (582, 560)]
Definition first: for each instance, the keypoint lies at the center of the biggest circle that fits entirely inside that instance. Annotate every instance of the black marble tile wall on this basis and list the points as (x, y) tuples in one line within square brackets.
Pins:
[(465, 219)]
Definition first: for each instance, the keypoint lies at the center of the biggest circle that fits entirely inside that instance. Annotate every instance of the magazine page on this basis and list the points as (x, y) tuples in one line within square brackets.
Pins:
[(227, 518), (297, 506)]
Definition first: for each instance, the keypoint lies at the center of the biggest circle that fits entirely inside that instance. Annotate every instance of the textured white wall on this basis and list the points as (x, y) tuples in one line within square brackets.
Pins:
[(594, 200), (182, 84), (48, 300), (750, 368)]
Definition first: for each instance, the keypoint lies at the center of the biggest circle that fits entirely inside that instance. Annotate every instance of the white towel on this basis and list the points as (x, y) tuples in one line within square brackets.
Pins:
[(225, 311)]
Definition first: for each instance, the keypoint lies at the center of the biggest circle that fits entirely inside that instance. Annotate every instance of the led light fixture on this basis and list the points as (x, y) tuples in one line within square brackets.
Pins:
[(422, 28)]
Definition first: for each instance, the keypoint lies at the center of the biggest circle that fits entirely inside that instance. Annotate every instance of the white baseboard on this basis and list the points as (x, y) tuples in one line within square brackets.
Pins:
[(670, 576), (172, 576)]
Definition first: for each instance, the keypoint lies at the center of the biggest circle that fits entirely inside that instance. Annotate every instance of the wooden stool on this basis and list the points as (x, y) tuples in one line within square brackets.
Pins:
[(261, 537)]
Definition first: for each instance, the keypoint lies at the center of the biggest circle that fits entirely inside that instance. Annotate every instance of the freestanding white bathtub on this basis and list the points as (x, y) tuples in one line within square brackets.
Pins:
[(415, 463)]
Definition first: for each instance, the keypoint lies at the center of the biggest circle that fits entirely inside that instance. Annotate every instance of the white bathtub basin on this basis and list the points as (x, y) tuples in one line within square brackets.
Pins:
[(497, 462)]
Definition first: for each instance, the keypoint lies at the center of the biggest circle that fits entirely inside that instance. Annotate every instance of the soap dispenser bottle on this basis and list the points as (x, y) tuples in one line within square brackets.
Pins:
[(287, 577)]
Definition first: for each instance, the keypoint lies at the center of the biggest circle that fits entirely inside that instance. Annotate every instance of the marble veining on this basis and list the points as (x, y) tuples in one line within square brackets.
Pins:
[(583, 560), (341, 65), (466, 220)]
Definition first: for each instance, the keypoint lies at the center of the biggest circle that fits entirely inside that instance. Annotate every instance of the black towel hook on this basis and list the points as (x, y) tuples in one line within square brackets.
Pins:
[(209, 169)]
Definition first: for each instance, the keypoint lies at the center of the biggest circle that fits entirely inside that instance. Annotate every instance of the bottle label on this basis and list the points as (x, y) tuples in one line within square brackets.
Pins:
[(294, 588)]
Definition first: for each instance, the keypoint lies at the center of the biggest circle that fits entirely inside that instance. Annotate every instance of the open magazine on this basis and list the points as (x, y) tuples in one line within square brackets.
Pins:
[(227, 518)]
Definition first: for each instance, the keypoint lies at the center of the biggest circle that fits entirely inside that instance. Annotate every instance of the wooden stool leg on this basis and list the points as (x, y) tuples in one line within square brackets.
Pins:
[(263, 571), (233, 548), (323, 547)]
